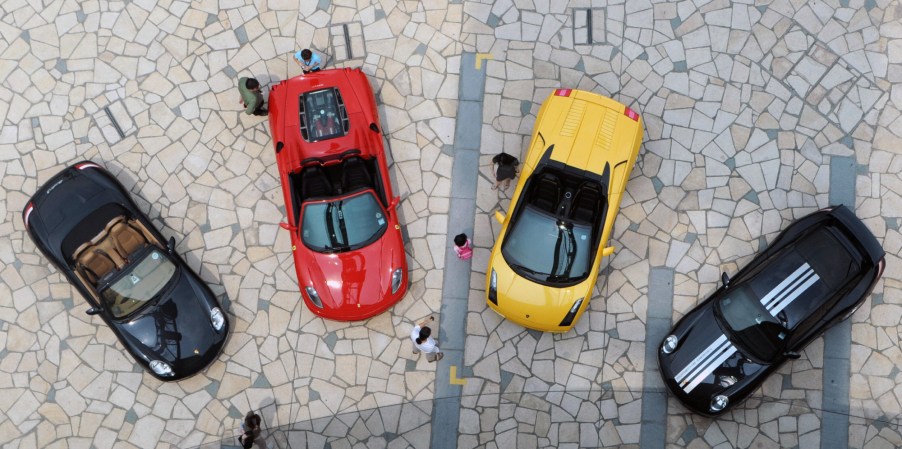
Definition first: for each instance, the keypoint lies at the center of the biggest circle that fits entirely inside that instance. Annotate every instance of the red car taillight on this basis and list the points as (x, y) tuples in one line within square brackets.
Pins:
[(563, 92), (631, 114), (85, 165), (28, 210)]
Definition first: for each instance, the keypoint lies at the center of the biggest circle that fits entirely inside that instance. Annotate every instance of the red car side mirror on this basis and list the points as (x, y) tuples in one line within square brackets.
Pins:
[(287, 227)]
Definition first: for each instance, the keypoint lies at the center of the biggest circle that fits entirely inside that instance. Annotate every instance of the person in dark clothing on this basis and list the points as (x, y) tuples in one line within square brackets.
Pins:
[(505, 169)]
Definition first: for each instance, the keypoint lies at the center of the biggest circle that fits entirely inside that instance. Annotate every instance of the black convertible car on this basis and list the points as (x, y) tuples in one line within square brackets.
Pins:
[(84, 221), (815, 274)]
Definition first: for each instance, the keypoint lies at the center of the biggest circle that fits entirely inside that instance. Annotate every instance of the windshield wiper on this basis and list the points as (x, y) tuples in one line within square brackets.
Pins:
[(532, 272), (341, 223)]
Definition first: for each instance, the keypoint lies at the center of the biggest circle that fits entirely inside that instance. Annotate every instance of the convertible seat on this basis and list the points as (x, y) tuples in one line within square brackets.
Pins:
[(315, 183), (95, 264), (126, 239), (354, 175), (586, 204), (547, 193)]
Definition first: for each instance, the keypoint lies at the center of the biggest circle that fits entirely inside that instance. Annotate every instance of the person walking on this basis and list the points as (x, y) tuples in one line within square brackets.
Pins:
[(423, 342), (308, 60), (251, 97)]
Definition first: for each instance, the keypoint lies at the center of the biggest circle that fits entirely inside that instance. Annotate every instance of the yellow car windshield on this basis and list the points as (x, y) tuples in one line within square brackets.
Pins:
[(547, 249)]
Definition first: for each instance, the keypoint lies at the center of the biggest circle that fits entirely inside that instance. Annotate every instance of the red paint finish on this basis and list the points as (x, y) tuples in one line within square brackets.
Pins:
[(354, 284)]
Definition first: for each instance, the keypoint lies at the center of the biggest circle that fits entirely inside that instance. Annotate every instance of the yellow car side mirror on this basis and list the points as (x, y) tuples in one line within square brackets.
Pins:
[(607, 251), (499, 216)]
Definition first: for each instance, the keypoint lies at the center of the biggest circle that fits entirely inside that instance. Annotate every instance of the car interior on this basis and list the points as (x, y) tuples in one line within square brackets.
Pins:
[(321, 180), (566, 197), (110, 250)]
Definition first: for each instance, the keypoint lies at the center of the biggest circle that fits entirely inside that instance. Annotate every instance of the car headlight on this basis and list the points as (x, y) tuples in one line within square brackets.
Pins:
[(314, 297), (571, 314), (217, 318), (493, 287), (396, 277), (161, 368), (719, 403), (670, 343)]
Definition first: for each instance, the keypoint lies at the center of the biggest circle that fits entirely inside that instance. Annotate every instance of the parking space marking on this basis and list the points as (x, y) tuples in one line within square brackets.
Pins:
[(453, 379)]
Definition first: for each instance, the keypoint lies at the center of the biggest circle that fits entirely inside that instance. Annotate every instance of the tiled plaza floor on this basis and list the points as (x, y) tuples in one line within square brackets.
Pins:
[(745, 104)]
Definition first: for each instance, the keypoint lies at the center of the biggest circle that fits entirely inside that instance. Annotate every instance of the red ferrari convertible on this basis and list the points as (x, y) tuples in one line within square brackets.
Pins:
[(342, 217)]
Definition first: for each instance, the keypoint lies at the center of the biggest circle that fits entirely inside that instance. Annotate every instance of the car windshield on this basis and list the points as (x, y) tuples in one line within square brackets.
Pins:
[(751, 325), (547, 249), (140, 282), (345, 224)]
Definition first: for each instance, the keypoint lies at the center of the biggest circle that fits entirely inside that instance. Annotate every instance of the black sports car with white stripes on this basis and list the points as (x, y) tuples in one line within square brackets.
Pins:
[(816, 273)]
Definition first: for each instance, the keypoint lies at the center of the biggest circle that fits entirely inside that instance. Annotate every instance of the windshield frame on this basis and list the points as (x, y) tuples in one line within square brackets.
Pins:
[(548, 279), (342, 223), (142, 255), (750, 348)]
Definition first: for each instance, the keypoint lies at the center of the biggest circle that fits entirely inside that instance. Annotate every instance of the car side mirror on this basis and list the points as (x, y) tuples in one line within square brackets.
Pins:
[(287, 227), (170, 245), (394, 203), (499, 216), (725, 279), (93, 311), (607, 251), (374, 127), (792, 355), (279, 147)]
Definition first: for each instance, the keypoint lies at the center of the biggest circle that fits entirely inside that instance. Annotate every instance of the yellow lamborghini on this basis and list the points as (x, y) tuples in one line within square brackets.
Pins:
[(547, 255)]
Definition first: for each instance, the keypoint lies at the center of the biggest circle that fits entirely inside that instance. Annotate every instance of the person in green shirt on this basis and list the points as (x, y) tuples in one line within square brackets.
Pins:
[(251, 97)]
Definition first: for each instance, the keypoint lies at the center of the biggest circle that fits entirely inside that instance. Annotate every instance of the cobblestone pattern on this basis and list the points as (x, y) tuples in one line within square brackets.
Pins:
[(206, 174), (744, 105)]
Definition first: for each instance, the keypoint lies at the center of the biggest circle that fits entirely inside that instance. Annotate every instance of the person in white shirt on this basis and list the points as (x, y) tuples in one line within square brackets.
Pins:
[(422, 342)]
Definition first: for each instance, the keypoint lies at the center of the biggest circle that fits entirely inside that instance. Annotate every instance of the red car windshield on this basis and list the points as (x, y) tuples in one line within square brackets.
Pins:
[(343, 224)]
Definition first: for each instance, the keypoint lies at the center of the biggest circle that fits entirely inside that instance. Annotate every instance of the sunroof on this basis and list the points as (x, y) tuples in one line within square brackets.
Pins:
[(322, 115)]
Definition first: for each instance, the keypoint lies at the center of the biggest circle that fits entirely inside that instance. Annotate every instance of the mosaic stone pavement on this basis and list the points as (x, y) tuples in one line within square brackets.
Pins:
[(745, 104)]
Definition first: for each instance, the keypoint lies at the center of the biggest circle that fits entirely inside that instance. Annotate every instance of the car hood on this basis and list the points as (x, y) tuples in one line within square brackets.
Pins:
[(351, 282), (527, 299), (176, 329), (706, 363)]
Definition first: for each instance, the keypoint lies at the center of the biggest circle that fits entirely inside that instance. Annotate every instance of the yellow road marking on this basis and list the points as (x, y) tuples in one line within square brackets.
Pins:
[(454, 379), (480, 57)]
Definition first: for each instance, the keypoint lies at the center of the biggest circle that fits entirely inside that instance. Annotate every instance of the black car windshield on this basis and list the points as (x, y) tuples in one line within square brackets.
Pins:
[(140, 282), (341, 225), (547, 249), (751, 325)]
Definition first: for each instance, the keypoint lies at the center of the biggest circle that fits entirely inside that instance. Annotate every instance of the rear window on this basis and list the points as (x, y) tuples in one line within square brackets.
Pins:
[(322, 115), (830, 259)]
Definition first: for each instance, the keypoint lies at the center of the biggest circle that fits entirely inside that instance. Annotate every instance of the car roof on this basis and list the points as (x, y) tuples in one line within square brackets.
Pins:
[(585, 117), (359, 103)]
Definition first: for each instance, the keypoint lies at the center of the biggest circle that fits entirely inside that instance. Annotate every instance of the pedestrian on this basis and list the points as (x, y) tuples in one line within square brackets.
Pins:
[(463, 247), (308, 60), (422, 341), (251, 426), (505, 169), (251, 97), (246, 440)]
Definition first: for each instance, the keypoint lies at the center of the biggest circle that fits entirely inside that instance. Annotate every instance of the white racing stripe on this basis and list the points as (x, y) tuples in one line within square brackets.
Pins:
[(780, 289), (701, 357), (710, 369), (807, 282)]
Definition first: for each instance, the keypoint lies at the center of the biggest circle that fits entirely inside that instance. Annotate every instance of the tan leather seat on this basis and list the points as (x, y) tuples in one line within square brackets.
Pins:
[(126, 239), (94, 264)]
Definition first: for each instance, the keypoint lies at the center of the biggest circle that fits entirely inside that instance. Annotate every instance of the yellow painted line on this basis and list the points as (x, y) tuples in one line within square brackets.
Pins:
[(480, 57), (454, 379)]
